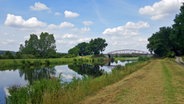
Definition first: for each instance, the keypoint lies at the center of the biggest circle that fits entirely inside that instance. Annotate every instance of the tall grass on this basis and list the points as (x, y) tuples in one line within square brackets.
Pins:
[(32, 94)]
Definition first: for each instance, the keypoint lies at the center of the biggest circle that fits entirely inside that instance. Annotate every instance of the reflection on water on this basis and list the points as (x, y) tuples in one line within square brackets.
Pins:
[(110, 65), (122, 63), (87, 69), (9, 78), (33, 74), (66, 73), (28, 75)]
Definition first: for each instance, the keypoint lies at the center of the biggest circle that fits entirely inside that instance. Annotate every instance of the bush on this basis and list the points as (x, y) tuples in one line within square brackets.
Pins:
[(27, 56), (143, 58), (32, 94), (69, 56), (23, 62), (47, 62), (19, 95), (171, 54), (118, 67)]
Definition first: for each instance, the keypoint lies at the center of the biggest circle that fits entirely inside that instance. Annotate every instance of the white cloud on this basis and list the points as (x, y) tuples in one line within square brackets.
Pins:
[(70, 14), (69, 40), (52, 26), (85, 29), (6, 42), (129, 29), (161, 9), (84, 39), (66, 25), (69, 36), (117, 43), (128, 36), (57, 13), (18, 21), (87, 23), (39, 7), (26, 37), (62, 25)]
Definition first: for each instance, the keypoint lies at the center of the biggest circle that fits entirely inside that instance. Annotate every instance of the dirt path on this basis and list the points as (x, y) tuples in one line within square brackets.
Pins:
[(179, 60), (153, 84)]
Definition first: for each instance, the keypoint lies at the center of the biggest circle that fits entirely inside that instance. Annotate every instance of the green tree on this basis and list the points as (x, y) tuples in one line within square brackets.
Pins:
[(31, 46), (47, 46), (83, 49), (74, 51), (177, 36), (80, 49), (8, 55), (18, 55), (97, 45), (160, 43), (43, 47)]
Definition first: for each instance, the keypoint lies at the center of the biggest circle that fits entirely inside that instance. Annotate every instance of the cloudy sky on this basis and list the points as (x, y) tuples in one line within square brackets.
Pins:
[(125, 24)]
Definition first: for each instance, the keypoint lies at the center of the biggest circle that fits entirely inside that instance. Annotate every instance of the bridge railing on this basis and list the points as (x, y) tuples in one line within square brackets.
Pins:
[(128, 52)]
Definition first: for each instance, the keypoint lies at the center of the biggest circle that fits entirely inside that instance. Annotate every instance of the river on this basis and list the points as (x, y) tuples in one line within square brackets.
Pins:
[(25, 76)]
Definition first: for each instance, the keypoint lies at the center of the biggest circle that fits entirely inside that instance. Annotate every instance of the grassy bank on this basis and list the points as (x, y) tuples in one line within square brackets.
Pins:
[(14, 63), (49, 92), (159, 82)]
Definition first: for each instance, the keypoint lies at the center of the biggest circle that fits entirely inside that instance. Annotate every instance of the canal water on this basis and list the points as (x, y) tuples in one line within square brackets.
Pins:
[(25, 76)]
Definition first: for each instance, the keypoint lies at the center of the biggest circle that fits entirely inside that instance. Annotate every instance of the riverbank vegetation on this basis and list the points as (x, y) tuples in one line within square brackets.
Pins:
[(14, 63), (52, 92)]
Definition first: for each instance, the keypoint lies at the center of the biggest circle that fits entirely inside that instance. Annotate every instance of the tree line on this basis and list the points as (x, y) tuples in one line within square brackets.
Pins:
[(44, 46), (169, 41), (94, 47)]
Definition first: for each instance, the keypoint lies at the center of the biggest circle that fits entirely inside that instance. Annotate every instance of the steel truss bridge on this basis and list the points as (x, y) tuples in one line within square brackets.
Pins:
[(130, 52)]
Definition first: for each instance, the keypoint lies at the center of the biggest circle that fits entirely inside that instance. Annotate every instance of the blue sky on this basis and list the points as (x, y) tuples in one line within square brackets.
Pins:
[(123, 23)]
